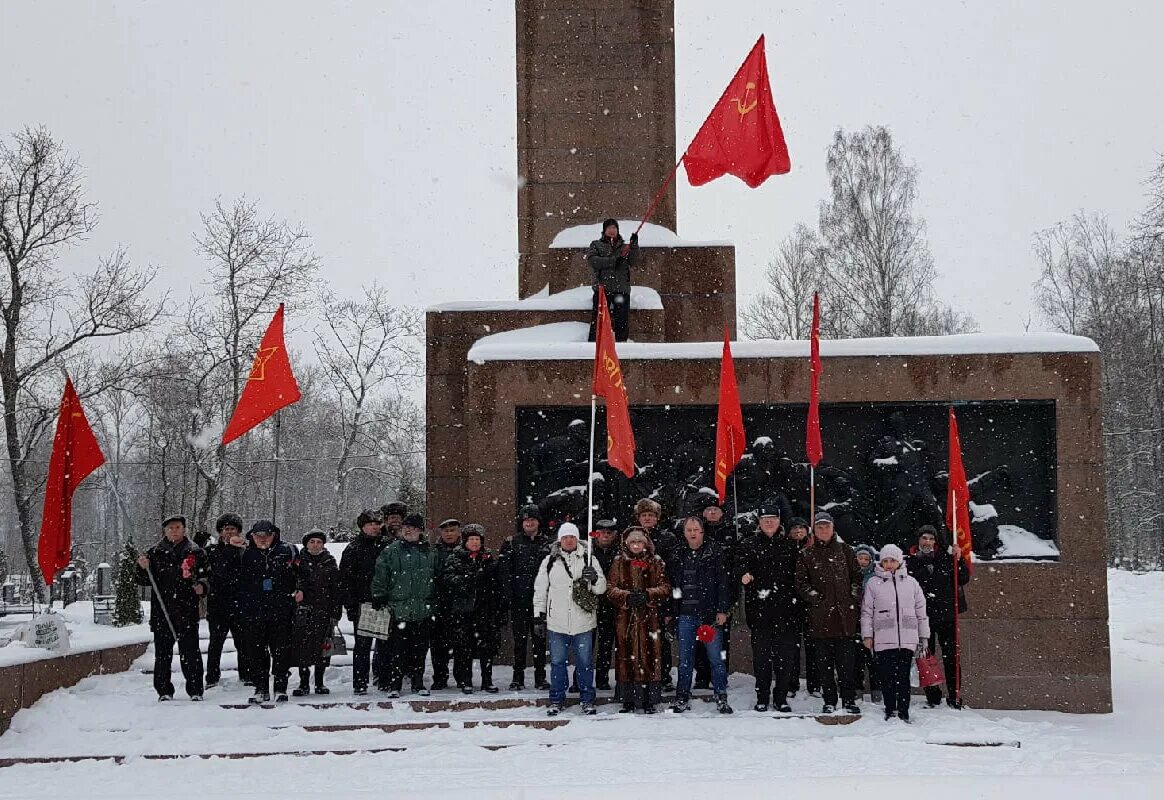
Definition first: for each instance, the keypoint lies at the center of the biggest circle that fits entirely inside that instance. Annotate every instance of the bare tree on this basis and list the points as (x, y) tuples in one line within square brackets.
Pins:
[(784, 309), (49, 319), (365, 347), (253, 264)]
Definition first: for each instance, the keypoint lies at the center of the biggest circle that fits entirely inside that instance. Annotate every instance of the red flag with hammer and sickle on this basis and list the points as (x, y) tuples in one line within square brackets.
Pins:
[(742, 134), (75, 455), (270, 387), (620, 439)]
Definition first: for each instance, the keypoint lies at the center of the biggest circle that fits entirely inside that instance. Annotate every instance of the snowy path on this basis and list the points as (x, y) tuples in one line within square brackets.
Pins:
[(407, 749)]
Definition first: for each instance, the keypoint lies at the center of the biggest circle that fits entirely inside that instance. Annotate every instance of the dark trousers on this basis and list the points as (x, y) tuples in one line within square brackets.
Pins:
[(407, 645), (270, 643), (222, 625), (361, 659), (864, 668), (604, 651), (834, 665), (441, 649), (804, 644), (305, 673), (469, 643), (619, 305), (189, 658), (703, 666), (523, 637), (942, 634), (893, 668), (773, 657)]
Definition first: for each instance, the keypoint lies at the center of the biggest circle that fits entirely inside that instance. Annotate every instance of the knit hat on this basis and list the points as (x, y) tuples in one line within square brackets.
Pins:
[(414, 521), (866, 549), (473, 529), (891, 551), (567, 529), (797, 522), (529, 511), (174, 518), (366, 516), (647, 505), (606, 223), (314, 533)]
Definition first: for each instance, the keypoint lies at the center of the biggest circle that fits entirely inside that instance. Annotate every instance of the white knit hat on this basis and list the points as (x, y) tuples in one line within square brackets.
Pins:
[(570, 529), (891, 551)]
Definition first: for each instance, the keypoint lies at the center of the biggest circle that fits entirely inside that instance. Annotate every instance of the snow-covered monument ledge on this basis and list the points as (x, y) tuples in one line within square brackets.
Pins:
[(506, 380)]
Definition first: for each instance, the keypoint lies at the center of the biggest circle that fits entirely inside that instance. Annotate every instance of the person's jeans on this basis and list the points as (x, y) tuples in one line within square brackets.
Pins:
[(560, 646), (687, 642)]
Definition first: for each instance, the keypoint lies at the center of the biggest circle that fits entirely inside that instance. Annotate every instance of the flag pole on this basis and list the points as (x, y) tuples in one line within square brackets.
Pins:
[(811, 495), (590, 481), (275, 482), (659, 194), (957, 688)]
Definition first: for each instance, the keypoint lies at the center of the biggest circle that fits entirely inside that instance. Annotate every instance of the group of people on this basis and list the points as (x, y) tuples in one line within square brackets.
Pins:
[(621, 600)]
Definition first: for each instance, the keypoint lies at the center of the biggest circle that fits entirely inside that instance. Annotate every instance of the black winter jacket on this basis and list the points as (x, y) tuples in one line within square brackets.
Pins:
[(476, 594), (521, 556), (770, 600), (176, 569), (357, 568), (268, 580), (319, 579), (611, 269), (935, 572), (224, 562), (701, 580)]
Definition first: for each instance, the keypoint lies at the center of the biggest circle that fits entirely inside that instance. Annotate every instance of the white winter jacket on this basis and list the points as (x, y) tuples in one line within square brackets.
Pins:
[(554, 592)]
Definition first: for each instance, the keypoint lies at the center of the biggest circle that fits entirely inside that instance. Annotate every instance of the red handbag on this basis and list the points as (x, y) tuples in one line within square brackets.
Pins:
[(930, 671)]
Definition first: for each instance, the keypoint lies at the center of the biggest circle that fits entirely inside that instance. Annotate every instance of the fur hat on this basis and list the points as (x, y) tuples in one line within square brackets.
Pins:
[(314, 533), (890, 551), (636, 533), (867, 550), (228, 519), (395, 507), (414, 521), (567, 529), (473, 529), (366, 516), (647, 505)]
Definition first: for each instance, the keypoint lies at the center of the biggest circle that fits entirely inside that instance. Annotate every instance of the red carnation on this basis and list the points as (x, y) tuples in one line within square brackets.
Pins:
[(187, 565), (705, 634), (638, 562)]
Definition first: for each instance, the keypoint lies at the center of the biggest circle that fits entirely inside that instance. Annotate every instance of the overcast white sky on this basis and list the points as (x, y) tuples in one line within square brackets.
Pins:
[(388, 130)]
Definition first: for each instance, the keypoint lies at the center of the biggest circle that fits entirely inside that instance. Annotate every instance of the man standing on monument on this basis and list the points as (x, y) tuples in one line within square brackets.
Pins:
[(611, 259)]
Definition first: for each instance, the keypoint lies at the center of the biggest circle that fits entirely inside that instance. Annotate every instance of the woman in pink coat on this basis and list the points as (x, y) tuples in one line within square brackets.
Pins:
[(895, 627)]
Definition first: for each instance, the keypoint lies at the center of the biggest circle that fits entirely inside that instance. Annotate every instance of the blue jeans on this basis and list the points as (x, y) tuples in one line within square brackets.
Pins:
[(687, 643), (560, 644)]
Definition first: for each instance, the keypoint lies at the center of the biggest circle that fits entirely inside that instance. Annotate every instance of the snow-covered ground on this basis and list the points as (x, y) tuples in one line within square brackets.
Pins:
[(611, 756), (84, 635)]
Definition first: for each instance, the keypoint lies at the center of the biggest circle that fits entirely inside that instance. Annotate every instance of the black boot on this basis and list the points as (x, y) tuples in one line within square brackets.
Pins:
[(302, 690)]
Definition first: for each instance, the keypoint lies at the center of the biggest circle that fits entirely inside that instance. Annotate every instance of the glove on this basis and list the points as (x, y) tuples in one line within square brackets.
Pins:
[(590, 574), (922, 650), (634, 238), (539, 627), (379, 603), (637, 599)]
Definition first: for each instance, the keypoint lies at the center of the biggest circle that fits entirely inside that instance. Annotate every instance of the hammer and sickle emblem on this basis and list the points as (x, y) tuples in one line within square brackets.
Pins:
[(742, 105)]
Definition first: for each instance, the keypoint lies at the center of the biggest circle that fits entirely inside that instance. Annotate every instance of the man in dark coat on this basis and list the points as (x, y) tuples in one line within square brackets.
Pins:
[(800, 535), (266, 600), (829, 581), (392, 516), (605, 548), (178, 567), (320, 604), (701, 585), (933, 568), (441, 642), (610, 260), (766, 567), (224, 558), (471, 580), (719, 529), (357, 567), (521, 555)]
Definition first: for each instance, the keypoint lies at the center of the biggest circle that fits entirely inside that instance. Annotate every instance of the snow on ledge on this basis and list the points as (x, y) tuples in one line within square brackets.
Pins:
[(650, 236), (576, 299), (567, 341)]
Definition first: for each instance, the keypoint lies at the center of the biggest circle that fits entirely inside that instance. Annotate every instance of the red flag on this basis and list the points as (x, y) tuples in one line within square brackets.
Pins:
[(270, 387), (813, 448), (75, 455), (729, 426), (958, 494), (620, 439), (742, 134)]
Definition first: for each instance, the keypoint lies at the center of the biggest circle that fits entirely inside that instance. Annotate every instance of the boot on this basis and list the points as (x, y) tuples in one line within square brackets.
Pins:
[(302, 689), (682, 703), (262, 695), (721, 704), (319, 687)]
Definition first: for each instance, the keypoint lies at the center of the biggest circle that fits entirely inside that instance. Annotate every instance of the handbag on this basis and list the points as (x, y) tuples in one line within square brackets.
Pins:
[(579, 590), (335, 645), (930, 672), (375, 623)]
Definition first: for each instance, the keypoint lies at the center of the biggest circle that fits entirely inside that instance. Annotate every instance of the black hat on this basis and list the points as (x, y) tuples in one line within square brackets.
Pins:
[(768, 510), (822, 516), (395, 507), (174, 518), (366, 516), (263, 526), (473, 529), (314, 533), (530, 511), (228, 519), (607, 223), (606, 525), (930, 529), (797, 522), (450, 522), (414, 521)]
